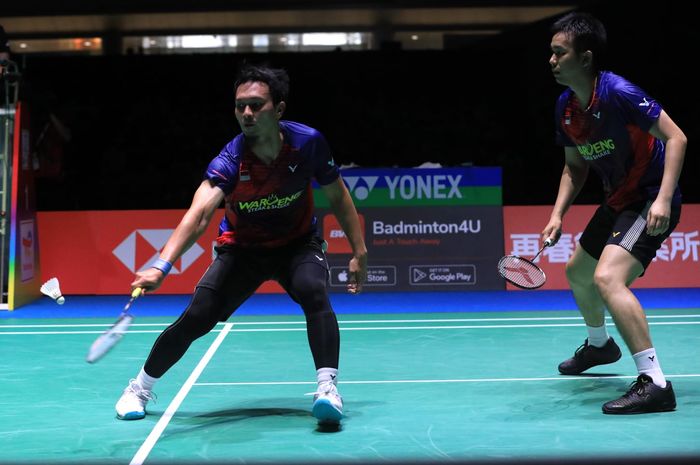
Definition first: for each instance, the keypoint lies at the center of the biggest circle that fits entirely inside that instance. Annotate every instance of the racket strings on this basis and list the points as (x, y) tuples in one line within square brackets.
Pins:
[(109, 338), (521, 272)]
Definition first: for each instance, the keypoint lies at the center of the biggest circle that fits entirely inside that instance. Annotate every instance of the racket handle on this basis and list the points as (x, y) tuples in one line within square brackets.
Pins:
[(548, 243), (136, 292)]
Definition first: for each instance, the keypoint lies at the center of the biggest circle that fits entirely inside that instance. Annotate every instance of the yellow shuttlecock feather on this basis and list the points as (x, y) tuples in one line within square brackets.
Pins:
[(53, 290)]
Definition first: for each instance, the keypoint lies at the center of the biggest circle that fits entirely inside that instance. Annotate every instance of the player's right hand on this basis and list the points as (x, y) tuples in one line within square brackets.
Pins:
[(149, 280), (552, 232)]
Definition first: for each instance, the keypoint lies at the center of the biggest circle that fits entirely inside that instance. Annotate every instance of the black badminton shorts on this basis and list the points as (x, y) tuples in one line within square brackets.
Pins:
[(238, 271), (627, 229)]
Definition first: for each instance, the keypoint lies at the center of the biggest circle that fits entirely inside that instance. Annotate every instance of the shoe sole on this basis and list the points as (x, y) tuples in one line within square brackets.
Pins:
[(324, 412), (132, 416), (579, 372), (563, 372), (668, 408)]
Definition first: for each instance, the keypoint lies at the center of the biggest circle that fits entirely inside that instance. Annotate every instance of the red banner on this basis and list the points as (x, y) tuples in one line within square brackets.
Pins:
[(98, 252), (675, 265)]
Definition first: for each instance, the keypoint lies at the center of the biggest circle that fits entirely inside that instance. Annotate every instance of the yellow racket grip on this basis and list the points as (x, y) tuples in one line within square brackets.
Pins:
[(136, 292)]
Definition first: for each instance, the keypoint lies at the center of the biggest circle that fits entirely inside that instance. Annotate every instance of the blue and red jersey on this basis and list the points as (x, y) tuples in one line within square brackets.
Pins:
[(612, 134), (271, 205)]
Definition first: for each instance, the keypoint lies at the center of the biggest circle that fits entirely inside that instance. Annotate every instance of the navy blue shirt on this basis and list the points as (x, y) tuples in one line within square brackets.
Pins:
[(271, 205), (612, 134)]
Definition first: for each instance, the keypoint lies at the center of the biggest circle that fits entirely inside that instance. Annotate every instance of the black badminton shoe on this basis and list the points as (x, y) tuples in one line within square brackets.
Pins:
[(587, 356), (643, 397)]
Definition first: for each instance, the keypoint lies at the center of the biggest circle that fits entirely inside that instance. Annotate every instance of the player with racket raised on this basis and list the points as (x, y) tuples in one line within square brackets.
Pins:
[(610, 125), (269, 231)]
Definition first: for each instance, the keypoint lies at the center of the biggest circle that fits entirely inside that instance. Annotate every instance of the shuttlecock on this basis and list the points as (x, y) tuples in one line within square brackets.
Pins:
[(52, 289)]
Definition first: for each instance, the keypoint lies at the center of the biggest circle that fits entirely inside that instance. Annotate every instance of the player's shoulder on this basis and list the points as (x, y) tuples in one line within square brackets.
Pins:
[(298, 132), (622, 92), (234, 147), (612, 83), (230, 154)]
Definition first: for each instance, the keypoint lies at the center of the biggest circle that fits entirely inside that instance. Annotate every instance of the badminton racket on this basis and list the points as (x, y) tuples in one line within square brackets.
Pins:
[(109, 338), (522, 272)]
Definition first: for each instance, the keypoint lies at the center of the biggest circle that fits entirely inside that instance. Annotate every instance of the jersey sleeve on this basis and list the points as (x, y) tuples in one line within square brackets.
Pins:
[(636, 106), (325, 169), (223, 169)]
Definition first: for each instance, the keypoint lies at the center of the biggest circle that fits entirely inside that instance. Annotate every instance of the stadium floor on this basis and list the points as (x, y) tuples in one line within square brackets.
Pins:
[(426, 378)]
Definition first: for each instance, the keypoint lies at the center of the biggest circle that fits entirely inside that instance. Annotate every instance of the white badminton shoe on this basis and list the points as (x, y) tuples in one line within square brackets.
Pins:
[(328, 405), (132, 403)]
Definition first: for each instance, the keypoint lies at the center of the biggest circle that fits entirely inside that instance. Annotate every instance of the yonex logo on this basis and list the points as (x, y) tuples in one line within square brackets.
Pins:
[(361, 186), (615, 234), (142, 247), (645, 102)]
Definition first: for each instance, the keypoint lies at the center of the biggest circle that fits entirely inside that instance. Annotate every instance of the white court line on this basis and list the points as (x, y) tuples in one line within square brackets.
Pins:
[(366, 328), (436, 381), (303, 322), (150, 441)]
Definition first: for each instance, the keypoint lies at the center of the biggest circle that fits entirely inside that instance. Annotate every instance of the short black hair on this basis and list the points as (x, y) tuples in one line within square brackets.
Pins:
[(4, 42), (276, 79), (586, 32)]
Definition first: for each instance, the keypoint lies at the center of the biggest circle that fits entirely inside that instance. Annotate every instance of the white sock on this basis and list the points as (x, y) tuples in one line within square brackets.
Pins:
[(327, 374), (597, 335), (146, 381), (648, 363)]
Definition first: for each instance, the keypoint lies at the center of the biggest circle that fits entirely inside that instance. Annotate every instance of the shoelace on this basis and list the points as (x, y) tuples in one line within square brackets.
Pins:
[(638, 386), (142, 393), (580, 349), (324, 388)]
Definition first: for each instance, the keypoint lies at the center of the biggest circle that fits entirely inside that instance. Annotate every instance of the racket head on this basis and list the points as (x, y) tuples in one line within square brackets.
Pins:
[(107, 340), (521, 272)]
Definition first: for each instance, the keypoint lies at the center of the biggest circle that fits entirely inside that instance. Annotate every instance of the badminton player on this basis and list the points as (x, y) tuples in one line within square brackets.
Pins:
[(610, 125), (268, 232)]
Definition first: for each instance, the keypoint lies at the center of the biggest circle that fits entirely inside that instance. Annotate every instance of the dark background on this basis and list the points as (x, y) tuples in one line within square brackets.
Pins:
[(145, 127)]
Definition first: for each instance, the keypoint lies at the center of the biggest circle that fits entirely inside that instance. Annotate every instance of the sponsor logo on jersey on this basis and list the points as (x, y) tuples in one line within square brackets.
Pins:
[(271, 202)]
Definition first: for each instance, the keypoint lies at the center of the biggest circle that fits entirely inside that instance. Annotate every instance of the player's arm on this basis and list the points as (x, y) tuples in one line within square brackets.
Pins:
[(344, 210), (206, 200), (573, 178), (659, 214)]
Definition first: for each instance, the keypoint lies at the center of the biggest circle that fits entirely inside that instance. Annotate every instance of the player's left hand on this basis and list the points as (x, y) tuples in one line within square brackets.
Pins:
[(358, 273), (658, 217)]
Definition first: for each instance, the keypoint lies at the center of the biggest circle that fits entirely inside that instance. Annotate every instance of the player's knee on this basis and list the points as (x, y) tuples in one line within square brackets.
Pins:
[(314, 300), (199, 318), (577, 276), (605, 280)]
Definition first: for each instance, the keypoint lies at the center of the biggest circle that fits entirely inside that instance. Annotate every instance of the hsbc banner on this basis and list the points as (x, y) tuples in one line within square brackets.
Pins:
[(98, 252), (676, 263), (449, 239)]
